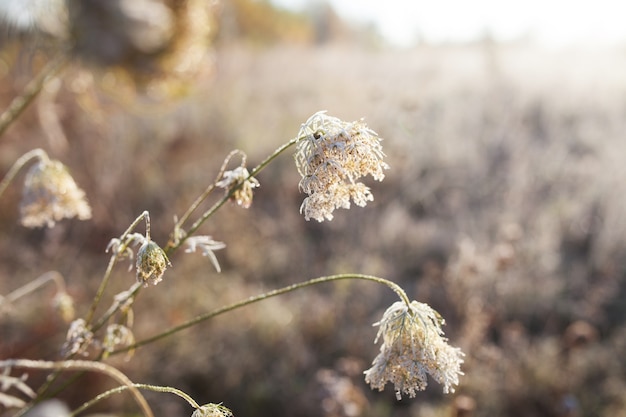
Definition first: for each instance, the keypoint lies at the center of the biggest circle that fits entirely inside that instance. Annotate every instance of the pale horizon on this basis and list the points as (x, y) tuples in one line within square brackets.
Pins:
[(547, 22)]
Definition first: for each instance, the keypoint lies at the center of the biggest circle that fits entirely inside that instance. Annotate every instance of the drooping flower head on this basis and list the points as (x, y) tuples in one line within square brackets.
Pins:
[(78, 339), (239, 178), (50, 195), (413, 347), (332, 156), (151, 263)]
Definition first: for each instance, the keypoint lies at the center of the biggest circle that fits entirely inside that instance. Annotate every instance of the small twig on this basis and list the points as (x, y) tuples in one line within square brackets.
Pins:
[(81, 365), (122, 388), (35, 284), (203, 317), (32, 89), (19, 164)]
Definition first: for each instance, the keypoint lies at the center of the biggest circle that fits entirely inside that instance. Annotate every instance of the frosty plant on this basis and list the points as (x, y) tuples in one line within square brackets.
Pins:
[(333, 158), (50, 193)]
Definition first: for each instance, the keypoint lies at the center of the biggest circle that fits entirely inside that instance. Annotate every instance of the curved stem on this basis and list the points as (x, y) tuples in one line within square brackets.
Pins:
[(203, 317), (122, 388), (34, 87), (35, 284), (123, 245), (209, 189), (224, 199), (132, 292), (78, 365), (19, 164)]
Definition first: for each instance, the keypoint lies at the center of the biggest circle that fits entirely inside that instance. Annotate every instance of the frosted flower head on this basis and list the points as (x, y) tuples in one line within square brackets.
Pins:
[(50, 194), (332, 156), (212, 410), (151, 263), (78, 339), (117, 335), (413, 347), (239, 178)]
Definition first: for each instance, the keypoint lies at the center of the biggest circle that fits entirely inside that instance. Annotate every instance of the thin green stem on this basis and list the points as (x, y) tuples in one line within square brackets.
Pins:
[(122, 388), (81, 365), (19, 164), (203, 317), (209, 189), (195, 226), (32, 89), (120, 250), (34, 285), (132, 292)]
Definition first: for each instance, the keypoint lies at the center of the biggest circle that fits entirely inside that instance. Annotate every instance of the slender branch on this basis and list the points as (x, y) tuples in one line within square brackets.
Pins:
[(81, 365), (19, 164), (32, 89), (194, 227), (122, 388), (123, 245), (132, 292), (34, 285), (203, 317), (209, 189)]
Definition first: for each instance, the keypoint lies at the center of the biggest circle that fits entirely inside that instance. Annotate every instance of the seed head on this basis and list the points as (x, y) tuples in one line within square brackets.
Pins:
[(151, 263), (239, 177), (79, 338), (412, 347), (50, 194), (331, 156), (117, 335)]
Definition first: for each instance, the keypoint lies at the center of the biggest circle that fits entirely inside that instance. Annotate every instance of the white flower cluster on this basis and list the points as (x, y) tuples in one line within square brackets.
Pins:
[(331, 156), (412, 347)]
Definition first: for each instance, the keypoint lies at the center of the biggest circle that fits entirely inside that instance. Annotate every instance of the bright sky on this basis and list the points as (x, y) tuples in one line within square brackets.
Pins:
[(553, 22)]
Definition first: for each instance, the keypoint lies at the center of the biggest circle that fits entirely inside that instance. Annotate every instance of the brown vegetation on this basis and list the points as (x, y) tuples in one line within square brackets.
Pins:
[(503, 209)]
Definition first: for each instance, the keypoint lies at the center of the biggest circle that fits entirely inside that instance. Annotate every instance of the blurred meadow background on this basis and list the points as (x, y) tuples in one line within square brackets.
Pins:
[(503, 208)]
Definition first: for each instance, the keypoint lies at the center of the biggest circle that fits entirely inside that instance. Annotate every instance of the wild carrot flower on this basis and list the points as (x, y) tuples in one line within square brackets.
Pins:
[(50, 194), (412, 347), (331, 156), (239, 177), (151, 263)]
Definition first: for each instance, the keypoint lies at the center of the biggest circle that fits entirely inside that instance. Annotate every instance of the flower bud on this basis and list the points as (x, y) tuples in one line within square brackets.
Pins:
[(151, 263)]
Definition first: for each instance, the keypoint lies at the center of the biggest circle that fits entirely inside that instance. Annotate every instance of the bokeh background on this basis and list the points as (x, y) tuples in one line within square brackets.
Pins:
[(503, 208)]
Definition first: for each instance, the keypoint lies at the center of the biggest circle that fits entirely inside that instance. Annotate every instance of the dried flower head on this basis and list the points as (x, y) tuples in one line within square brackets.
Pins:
[(212, 410), (239, 177), (50, 194), (151, 263), (412, 347), (331, 156), (207, 245), (117, 335), (78, 338)]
